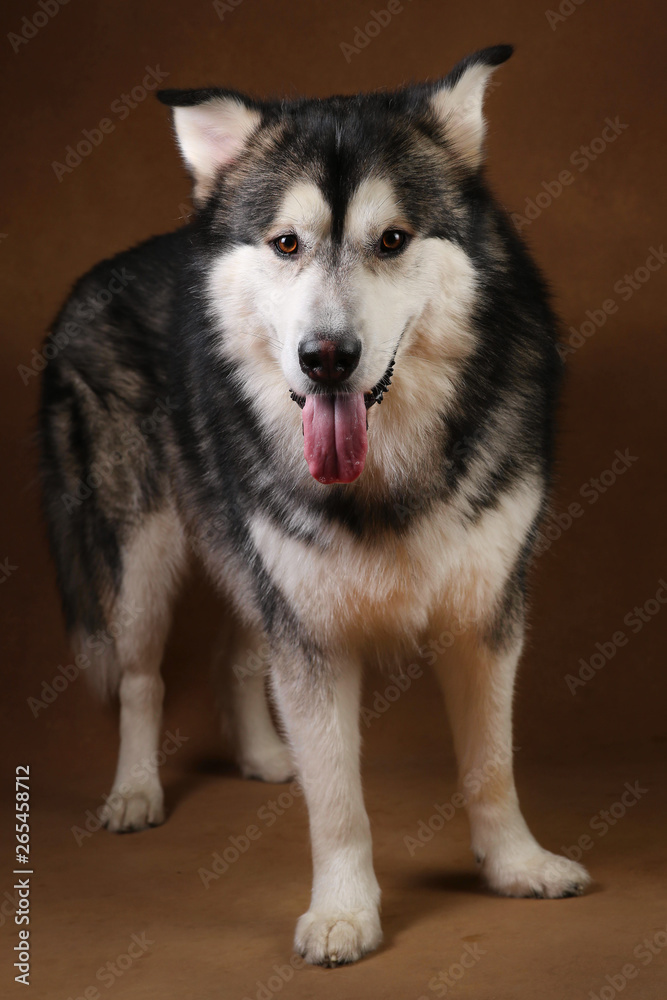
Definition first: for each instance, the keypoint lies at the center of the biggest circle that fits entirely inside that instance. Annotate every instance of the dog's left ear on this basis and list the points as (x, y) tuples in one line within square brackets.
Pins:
[(457, 101), (212, 127)]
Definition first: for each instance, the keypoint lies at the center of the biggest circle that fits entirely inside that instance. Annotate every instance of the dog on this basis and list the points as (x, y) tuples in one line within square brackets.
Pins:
[(335, 387)]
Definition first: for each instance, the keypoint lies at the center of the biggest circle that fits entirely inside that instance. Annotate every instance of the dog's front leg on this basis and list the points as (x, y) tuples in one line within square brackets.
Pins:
[(319, 703), (478, 681)]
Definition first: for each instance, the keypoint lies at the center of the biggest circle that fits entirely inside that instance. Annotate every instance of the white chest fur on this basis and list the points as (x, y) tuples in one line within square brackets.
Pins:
[(345, 590)]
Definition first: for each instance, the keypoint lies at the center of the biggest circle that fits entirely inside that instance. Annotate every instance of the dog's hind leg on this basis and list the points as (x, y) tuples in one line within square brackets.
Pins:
[(138, 621), (320, 704), (477, 678), (241, 666)]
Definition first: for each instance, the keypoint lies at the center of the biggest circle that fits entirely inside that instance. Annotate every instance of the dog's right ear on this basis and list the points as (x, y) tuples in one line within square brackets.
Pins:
[(457, 102), (212, 127)]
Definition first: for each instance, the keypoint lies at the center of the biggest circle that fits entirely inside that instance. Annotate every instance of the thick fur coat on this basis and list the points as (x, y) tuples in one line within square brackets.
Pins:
[(336, 388)]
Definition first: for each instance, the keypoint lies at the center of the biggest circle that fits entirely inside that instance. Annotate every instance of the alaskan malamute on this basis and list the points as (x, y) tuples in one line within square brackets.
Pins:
[(336, 387)]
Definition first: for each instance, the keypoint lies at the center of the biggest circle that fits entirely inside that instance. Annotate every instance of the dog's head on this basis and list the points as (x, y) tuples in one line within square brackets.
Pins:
[(335, 225)]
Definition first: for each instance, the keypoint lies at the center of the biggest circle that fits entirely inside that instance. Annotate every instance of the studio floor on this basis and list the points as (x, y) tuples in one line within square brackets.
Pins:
[(157, 914), (204, 907)]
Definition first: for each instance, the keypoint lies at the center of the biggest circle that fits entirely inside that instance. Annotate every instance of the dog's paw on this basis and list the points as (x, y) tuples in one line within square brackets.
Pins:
[(273, 764), (337, 938), (535, 872), (128, 810)]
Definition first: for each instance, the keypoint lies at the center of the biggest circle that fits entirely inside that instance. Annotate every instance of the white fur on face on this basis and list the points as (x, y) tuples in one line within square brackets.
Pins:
[(262, 298), (305, 212), (421, 299), (372, 209)]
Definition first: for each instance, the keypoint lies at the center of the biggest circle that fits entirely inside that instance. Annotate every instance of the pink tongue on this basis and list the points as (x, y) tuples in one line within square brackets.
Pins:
[(334, 437)]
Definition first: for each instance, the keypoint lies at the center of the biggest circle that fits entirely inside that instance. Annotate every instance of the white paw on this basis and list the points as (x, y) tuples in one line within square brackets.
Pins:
[(535, 872), (128, 809), (272, 764), (338, 937)]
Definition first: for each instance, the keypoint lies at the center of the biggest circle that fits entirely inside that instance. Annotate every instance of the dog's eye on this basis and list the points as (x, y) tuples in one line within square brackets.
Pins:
[(392, 240), (287, 244)]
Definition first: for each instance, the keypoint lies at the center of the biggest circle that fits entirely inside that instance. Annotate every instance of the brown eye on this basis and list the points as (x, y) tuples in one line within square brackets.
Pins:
[(287, 244), (392, 240)]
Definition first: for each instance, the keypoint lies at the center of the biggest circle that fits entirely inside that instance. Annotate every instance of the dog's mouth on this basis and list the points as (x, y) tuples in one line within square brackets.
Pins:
[(335, 441)]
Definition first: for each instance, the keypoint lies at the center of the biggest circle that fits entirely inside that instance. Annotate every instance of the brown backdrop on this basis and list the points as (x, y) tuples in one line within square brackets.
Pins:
[(593, 230)]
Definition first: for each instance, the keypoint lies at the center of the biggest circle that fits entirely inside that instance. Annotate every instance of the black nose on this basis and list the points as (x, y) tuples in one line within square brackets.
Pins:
[(329, 361)]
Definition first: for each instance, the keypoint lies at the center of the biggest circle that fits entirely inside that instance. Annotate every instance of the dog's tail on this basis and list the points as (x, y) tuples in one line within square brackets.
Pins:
[(115, 537)]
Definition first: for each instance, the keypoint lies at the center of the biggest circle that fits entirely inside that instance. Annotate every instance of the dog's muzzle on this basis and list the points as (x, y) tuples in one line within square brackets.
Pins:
[(375, 395), (335, 426)]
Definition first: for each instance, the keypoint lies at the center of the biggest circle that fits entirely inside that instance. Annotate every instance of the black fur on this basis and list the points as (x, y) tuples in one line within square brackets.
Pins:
[(154, 341)]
